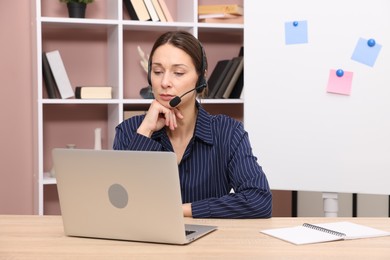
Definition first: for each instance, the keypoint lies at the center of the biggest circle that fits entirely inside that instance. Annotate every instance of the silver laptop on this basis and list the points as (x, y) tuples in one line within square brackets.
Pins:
[(125, 195)]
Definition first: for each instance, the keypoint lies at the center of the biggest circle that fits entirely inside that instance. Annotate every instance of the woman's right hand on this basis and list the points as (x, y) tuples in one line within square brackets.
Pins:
[(157, 117)]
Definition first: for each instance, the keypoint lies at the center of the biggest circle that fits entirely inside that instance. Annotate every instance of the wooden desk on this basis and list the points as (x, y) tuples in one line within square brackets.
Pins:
[(42, 237)]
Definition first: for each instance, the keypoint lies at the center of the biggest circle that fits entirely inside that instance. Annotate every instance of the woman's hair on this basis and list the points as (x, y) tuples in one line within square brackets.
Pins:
[(186, 42)]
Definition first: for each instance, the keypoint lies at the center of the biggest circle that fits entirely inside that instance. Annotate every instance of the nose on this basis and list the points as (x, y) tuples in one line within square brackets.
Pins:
[(166, 80)]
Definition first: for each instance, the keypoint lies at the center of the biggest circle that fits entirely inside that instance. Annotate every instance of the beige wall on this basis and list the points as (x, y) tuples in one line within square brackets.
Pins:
[(16, 131)]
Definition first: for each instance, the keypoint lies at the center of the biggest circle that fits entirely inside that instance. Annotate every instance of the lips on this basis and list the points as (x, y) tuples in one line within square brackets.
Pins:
[(166, 97)]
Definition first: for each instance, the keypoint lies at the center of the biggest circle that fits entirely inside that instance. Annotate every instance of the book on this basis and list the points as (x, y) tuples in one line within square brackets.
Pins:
[(50, 83), (228, 76), (151, 10), (234, 20), (238, 87), (137, 10), (326, 232), (214, 76), (93, 92), (223, 8), (221, 78), (218, 15), (234, 78), (166, 11), (159, 11), (60, 75), (130, 10)]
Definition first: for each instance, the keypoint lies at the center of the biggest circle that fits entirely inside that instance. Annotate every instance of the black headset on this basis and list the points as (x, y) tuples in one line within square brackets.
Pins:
[(201, 84)]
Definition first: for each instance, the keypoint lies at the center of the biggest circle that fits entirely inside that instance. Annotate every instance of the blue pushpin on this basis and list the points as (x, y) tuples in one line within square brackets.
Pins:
[(295, 23), (340, 73), (371, 42)]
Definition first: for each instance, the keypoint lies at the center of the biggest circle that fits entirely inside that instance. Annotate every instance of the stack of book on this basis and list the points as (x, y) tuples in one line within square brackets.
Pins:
[(227, 78), (148, 10), (224, 13), (57, 83)]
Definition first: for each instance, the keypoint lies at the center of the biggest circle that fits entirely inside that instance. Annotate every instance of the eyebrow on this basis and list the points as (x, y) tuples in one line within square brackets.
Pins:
[(174, 65)]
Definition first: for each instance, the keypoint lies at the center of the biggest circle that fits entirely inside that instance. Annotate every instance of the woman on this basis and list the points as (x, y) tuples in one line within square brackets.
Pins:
[(214, 155)]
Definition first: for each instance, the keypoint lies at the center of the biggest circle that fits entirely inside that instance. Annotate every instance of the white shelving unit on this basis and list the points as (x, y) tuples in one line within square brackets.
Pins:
[(118, 37)]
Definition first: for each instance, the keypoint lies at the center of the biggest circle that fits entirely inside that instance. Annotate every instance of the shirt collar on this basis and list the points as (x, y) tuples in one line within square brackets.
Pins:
[(203, 130)]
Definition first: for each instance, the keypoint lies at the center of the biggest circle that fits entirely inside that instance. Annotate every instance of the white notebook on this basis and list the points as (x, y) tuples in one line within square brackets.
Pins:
[(325, 232)]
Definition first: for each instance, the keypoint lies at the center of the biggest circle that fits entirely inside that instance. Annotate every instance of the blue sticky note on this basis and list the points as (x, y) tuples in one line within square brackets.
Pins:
[(366, 51), (296, 32)]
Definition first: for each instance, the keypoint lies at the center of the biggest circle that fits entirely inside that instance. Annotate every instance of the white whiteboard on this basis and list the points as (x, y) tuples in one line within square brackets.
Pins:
[(305, 138)]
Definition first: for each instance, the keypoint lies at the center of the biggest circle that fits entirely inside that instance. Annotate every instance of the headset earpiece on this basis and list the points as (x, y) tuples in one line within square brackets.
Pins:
[(202, 82), (150, 73)]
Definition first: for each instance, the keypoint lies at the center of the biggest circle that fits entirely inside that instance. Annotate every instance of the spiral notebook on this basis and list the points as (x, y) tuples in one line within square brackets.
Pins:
[(326, 232)]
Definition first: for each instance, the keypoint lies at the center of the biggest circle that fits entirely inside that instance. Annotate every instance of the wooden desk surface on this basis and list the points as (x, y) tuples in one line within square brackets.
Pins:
[(42, 237)]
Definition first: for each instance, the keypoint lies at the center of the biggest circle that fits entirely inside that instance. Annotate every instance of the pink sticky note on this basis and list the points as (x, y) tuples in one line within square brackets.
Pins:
[(340, 84)]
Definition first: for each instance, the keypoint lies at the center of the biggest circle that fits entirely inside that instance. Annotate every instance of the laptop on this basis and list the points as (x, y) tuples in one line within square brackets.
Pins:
[(124, 195)]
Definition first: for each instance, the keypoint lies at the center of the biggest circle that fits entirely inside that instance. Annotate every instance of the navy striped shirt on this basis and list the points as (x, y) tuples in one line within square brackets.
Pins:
[(218, 159)]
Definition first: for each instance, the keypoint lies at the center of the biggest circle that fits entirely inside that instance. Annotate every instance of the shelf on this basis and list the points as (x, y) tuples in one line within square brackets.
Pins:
[(203, 101), (102, 50), (155, 26), (220, 26), (53, 22), (80, 101), (222, 101), (47, 180)]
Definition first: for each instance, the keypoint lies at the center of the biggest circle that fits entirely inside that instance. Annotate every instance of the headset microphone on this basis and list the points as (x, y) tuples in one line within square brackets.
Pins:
[(176, 100)]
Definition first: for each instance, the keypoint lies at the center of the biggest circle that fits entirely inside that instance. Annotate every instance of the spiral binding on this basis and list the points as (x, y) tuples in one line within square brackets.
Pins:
[(329, 231)]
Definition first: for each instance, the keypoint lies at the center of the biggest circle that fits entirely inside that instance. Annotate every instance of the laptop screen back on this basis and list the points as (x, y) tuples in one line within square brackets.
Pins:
[(128, 195)]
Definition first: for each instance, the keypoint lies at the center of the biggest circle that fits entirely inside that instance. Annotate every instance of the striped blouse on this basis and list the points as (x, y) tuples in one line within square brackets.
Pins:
[(217, 160)]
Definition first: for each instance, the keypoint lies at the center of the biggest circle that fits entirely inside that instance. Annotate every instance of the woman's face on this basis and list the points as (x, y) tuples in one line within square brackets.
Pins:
[(172, 74)]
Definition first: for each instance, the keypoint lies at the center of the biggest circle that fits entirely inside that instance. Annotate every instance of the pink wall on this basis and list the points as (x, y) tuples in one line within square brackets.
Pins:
[(16, 131), (17, 105)]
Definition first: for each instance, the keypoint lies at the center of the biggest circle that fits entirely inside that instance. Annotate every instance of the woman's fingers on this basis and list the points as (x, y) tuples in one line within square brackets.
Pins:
[(163, 115), (171, 120)]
